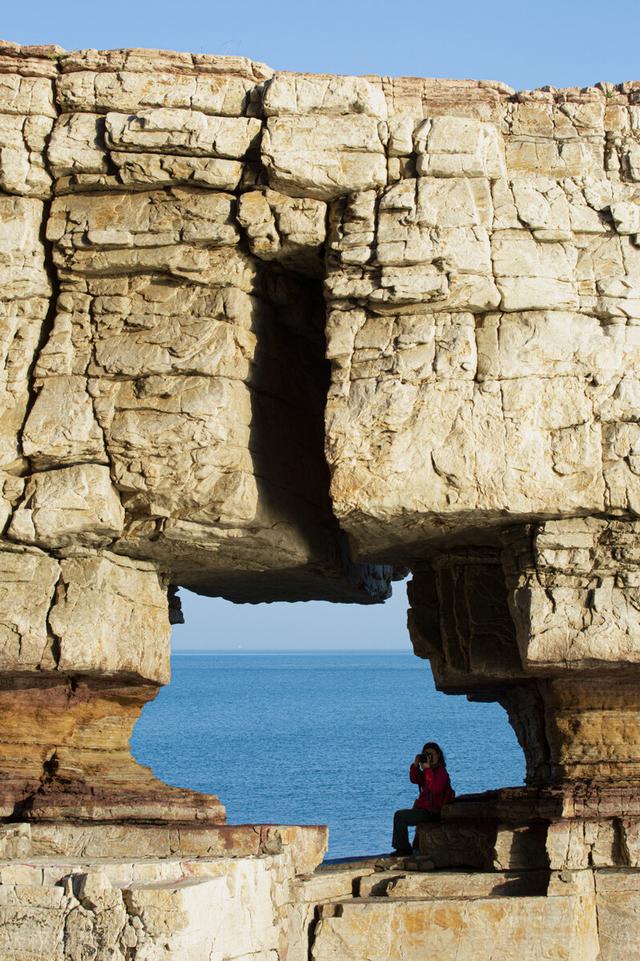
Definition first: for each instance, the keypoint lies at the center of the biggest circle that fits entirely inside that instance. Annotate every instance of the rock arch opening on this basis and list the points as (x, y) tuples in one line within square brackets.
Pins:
[(168, 417), (320, 730)]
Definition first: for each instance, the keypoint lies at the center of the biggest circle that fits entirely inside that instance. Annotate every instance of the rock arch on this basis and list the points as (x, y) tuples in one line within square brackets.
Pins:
[(273, 336)]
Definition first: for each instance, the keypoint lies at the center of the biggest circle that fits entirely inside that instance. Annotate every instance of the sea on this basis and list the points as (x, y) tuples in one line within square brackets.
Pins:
[(318, 738)]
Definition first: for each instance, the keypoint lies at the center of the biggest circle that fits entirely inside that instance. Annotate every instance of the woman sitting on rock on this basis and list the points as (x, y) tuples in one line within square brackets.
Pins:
[(429, 772)]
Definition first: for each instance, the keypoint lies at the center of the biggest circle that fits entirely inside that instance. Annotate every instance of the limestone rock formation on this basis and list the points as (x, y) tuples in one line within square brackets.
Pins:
[(276, 336)]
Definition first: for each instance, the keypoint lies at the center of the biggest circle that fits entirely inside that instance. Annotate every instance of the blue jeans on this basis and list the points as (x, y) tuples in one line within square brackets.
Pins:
[(403, 820)]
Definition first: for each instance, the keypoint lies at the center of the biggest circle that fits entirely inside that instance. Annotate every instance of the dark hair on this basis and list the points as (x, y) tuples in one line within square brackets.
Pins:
[(431, 745)]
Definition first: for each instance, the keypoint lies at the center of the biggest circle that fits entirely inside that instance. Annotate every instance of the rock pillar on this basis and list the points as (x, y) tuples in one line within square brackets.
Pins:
[(85, 646), (547, 624)]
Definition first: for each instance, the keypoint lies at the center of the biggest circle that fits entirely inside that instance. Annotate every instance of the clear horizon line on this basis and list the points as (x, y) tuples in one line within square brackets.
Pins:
[(294, 650)]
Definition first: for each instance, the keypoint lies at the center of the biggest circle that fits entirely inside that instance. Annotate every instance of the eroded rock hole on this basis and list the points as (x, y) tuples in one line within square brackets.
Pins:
[(311, 713)]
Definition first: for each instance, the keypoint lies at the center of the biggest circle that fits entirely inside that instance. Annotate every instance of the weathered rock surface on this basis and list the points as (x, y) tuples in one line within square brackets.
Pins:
[(54, 907), (265, 336), (178, 907), (525, 929)]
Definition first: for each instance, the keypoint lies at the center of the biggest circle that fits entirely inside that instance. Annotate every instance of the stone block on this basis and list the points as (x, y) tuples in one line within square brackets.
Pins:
[(24, 95), (177, 920), (149, 169), (121, 606), (32, 924), (77, 145), (297, 95), (22, 154), (21, 324), (485, 844), (66, 841), (439, 885), (126, 90), (285, 229), (533, 276), (323, 157), (618, 907), (189, 132), (22, 267), (73, 506), (554, 158), (87, 229), (525, 442), (518, 929), (557, 343), (27, 587), (61, 428), (455, 146), (569, 607), (578, 845)]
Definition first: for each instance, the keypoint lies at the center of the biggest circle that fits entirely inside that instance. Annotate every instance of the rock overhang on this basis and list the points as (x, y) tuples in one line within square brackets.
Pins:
[(465, 235), (269, 335)]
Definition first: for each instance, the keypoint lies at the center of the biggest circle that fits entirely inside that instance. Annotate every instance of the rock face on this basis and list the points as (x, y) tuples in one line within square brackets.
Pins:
[(64, 908), (270, 336)]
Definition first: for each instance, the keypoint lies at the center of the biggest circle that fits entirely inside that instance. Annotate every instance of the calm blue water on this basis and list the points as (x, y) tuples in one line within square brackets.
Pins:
[(318, 738)]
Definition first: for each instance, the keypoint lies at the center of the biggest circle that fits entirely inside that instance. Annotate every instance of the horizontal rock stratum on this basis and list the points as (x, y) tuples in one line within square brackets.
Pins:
[(275, 336)]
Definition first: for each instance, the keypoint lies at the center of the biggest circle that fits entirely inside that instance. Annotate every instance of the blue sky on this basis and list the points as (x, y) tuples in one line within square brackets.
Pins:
[(311, 625), (557, 42)]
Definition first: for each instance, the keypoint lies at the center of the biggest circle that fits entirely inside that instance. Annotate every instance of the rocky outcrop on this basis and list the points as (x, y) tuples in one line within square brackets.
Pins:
[(272, 336), (64, 908)]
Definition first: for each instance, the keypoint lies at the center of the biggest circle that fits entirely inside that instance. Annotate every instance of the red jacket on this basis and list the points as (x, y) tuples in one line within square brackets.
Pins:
[(435, 787)]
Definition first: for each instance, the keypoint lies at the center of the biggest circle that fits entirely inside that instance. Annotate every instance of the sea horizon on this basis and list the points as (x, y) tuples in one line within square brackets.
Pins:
[(317, 737), (254, 651)]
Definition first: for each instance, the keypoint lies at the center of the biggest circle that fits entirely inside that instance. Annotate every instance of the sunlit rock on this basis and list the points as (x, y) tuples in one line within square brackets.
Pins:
[(270, 336)]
